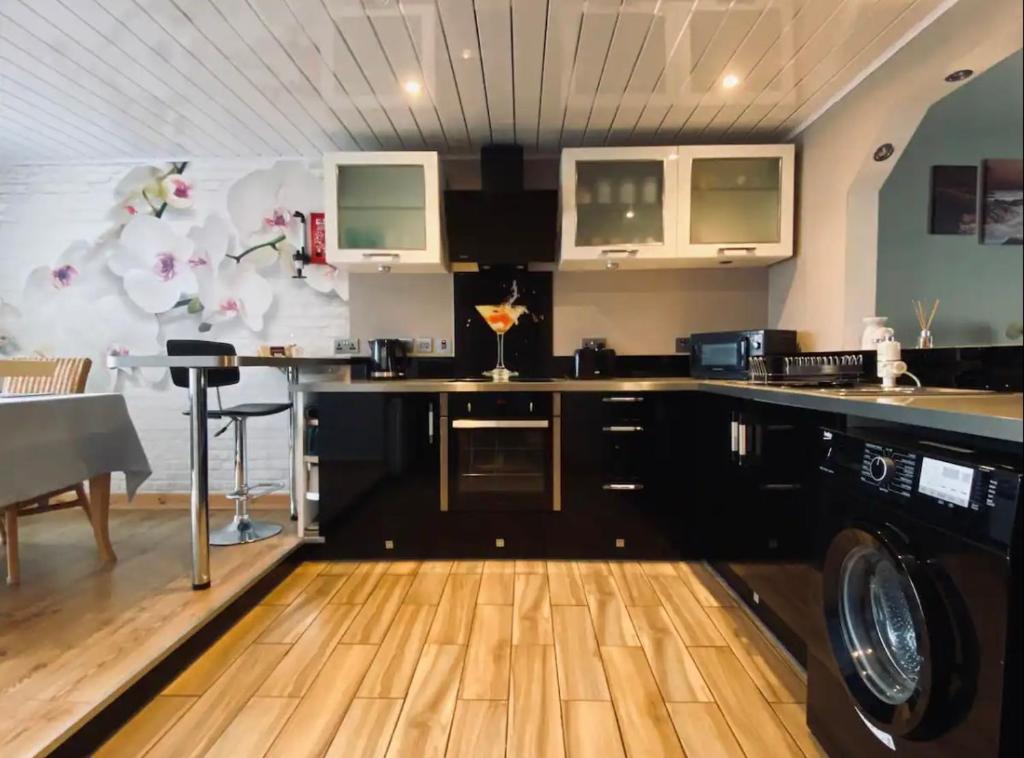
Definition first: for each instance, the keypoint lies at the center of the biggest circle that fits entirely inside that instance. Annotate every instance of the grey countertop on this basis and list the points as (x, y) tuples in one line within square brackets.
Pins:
[(998, 415)]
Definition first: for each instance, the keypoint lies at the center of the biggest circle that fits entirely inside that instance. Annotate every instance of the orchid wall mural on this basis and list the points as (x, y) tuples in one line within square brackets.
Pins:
[(164, 259)]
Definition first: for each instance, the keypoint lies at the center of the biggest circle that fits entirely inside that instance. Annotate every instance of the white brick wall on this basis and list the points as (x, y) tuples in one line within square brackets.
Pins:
[(45, 208)]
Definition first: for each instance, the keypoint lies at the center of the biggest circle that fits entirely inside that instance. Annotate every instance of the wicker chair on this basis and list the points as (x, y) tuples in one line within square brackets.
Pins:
[(68, 378)]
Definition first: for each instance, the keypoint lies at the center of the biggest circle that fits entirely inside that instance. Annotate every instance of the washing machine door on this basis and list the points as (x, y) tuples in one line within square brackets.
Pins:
[(885, 624)]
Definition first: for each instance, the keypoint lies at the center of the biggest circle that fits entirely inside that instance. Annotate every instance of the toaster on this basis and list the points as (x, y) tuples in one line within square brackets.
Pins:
[(593, 363)]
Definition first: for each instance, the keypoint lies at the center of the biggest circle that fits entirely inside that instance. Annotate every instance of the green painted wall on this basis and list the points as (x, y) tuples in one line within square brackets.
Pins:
[(979, 285)]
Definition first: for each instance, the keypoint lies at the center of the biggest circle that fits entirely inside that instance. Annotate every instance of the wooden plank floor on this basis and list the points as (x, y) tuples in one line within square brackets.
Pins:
[(76, 633), (485, 658)]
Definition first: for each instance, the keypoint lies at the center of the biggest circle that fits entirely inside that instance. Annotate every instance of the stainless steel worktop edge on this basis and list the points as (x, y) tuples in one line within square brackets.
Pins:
[(997, 416)]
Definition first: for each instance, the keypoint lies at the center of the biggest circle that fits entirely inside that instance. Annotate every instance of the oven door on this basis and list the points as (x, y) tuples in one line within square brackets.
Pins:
[(727, 358), (500, 464)]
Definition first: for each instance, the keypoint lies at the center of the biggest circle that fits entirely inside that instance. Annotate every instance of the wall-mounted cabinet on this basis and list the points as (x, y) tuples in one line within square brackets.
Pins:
[(737, 204), (619, 207), (384, 211), (668, 207)]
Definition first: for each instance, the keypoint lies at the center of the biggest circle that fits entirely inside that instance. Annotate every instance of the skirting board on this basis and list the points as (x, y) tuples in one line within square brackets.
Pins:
[(181, 500)]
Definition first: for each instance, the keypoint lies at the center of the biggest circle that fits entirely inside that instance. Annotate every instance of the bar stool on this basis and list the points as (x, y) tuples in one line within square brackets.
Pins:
[(242, 528)]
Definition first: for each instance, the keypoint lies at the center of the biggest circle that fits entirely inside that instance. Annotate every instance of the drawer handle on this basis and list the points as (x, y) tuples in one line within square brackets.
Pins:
[(629, 252), (382, 256), (728, 250), (622, 487), (622, 399), (622, 429)]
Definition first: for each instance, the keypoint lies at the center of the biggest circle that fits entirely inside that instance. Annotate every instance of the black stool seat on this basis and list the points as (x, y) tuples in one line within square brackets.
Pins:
[(248, 410)]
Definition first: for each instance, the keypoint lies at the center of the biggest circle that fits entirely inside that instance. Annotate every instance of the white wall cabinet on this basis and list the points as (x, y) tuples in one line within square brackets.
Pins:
[(384, 211), (619, 207), (672, 207), (737, 204)]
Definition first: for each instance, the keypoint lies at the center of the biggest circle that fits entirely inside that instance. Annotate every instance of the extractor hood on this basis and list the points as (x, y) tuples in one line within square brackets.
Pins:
[(502, 223)]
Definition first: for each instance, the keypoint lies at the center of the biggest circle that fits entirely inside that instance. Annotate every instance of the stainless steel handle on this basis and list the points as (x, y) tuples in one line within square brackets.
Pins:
[(781, 487), (629, 252), (556, 464), (727, 250), (510, 423), (622, 487), (734, 436), (741, 441), (444, 465), (622, 429), (430, 423), (621, 399), (382, 256)]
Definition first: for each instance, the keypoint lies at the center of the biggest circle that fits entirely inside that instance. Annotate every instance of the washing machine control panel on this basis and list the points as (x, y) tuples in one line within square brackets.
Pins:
[(970, 493), (889, 469)]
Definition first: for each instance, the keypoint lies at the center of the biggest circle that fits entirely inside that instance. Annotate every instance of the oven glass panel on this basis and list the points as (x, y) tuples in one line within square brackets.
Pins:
[(502, 462), (720, 354)]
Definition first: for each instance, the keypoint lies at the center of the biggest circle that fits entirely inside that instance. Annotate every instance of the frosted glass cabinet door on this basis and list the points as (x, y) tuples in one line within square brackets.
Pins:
[(618, 206), (738, 202), (383, 211), (381, 208)]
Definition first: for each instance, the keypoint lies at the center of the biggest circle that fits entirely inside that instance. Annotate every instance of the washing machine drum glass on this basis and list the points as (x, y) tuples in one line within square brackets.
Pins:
[(878, 624)]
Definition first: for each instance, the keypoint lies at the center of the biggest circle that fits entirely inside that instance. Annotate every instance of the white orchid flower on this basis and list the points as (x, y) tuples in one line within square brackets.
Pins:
[(177, 191), (326, 278), (155, 264), (238, 292), (262, 206), (79, 272), (212, 242)]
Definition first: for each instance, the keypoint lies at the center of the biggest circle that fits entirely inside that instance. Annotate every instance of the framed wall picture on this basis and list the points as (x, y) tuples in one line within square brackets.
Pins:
[(1002, 202), (954, 202)]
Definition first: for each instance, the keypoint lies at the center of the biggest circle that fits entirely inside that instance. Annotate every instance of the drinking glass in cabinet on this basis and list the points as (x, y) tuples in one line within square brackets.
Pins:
[(381, 207), (735, 200), (627, 202)]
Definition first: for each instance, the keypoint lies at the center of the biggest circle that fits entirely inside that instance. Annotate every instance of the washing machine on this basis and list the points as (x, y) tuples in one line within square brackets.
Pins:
[(920, 587)]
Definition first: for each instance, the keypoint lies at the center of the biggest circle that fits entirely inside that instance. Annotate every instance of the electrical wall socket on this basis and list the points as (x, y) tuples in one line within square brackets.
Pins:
[(424, 345), (682, 344), (595, 342), (346, 345), (444, 346)]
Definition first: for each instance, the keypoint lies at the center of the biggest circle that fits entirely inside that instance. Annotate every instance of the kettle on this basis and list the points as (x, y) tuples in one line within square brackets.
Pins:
[(387, 358), (593, 363)]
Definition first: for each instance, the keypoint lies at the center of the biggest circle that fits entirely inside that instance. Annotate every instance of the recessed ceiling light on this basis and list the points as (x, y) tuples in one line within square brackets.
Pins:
[(730, 81), (959, 75), (466, 53), (884, 152), (630, 213), (412, 87)]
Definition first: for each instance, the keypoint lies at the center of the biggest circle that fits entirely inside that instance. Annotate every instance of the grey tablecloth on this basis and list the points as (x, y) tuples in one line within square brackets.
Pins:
[(52, 441)]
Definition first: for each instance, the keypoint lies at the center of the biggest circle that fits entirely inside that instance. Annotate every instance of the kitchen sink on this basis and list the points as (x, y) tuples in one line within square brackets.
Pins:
[(874, 390)]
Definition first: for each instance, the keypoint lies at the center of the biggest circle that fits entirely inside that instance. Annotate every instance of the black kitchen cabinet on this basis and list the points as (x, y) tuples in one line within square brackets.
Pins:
[(758, 468), (615, 454), (379, 472)]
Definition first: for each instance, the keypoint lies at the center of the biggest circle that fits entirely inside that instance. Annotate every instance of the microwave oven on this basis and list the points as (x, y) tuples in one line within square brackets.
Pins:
[(726, 355)]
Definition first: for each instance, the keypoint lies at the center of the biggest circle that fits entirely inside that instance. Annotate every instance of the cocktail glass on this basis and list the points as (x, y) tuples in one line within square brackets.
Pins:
[(501, 318)]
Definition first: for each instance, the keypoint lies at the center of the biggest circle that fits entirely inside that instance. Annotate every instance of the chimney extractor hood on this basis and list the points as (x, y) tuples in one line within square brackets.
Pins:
[(501, 224)]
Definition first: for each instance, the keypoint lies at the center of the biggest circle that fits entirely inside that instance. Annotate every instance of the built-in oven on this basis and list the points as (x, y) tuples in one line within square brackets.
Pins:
[(501, 451), (726, 355)]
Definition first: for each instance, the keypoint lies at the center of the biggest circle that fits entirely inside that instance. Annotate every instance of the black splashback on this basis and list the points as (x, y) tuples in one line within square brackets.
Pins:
[(527, 344)]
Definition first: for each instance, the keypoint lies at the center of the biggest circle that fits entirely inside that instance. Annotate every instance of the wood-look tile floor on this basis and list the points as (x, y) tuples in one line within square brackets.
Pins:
[(77, 632), (484, 658)]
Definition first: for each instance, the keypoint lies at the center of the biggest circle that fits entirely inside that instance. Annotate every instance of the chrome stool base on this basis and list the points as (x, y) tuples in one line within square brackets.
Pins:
[(243, 529)]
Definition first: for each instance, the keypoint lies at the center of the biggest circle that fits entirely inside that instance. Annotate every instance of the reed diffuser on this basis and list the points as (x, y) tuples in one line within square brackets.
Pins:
[(924, 339)]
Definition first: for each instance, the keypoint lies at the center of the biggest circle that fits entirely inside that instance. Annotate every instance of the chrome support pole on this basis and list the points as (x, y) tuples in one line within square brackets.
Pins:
[(295, 446), (200, 500)]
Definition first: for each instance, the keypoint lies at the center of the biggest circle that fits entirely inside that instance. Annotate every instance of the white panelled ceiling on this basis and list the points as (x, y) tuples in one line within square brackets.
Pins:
[(139, 79)]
